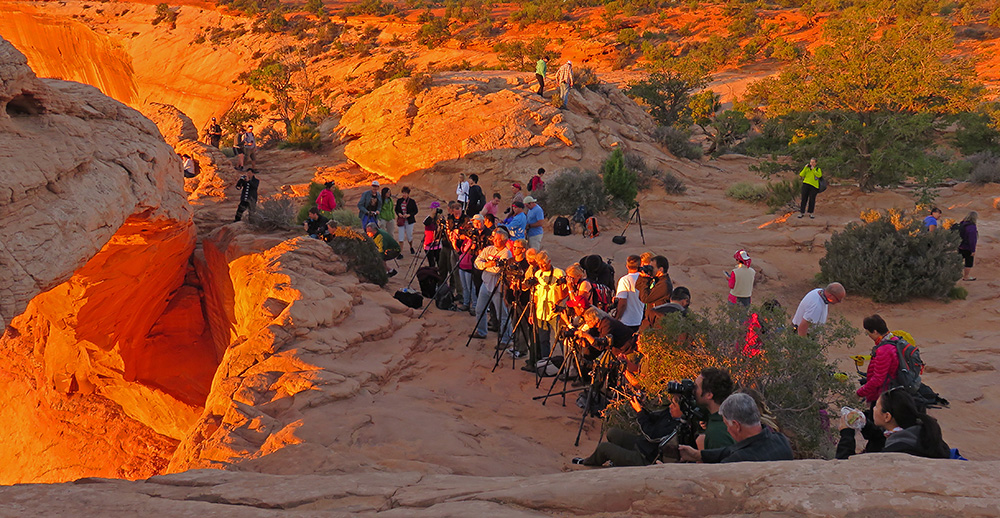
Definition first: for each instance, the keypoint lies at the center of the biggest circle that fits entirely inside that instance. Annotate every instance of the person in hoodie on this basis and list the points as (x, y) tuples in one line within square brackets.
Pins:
[(906, 429)]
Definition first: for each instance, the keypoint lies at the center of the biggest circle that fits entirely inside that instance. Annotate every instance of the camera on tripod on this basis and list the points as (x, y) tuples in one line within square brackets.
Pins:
[(648, 270), (690, 409)]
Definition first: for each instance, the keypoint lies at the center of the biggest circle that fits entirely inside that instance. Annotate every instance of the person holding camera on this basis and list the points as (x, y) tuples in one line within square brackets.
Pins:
[(624, 448), (315, 223), (711, 388), (247, 184), (549, 298), (369, 205), (491, 261), (433, 232), (454, 224), (602, 332), (517, 297), (754, 442), (654, 289)]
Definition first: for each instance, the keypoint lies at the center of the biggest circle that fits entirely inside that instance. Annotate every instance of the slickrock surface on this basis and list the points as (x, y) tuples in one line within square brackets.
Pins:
[(489, 122), (881, 485)]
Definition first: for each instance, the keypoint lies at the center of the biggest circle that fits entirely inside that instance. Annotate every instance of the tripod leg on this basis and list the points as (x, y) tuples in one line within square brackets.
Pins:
[(638, 218), (483, 314)]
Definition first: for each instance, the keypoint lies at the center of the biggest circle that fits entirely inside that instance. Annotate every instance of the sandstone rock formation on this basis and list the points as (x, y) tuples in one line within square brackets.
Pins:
[(868, 485), (94, 237), (488, 122), (173, 124), (216, 174)]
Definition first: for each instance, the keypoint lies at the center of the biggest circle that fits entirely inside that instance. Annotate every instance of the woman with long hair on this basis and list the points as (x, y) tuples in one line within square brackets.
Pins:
[(907, 428)]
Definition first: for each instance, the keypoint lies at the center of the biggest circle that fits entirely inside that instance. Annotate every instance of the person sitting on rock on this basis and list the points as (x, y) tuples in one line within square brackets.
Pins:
[(754, 442), (906, 429), (386, 245), (330, 232), (315, 223), (189, 167), (624, 448)]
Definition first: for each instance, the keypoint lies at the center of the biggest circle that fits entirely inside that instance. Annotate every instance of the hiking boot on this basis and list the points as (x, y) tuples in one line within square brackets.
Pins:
[(392, 272), (412, 251), (812, 217), (528, 367), (800, 215)]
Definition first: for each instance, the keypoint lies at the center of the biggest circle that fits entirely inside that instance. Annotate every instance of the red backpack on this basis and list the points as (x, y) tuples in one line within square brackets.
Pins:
[(603, 297), (590, 228)]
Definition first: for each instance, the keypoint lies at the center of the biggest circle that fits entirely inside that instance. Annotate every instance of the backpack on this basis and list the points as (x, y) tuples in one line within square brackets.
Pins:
[(561, 227), (590, 227), (910, 365), (548, 367), (602, 296), (581, 214), (444, 299)]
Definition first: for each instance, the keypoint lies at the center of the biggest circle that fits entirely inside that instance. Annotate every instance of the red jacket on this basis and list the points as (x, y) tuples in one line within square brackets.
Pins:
[(881, 371)]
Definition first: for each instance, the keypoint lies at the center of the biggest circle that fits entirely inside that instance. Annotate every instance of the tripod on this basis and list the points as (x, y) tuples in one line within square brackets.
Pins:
[(600, 377), (444, 285), (638, 219), (496, 289), (513, 337), (571, 357)]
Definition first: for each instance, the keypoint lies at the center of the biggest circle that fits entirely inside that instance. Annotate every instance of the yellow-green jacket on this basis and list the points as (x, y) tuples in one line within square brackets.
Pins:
[(811, 176)]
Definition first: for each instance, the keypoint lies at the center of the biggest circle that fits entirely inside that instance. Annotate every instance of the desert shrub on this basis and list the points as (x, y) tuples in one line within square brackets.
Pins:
[(672, 184), (665, 95), (746, 191), (985, 168), (418, 83), (585, 77), (782, 194), (165, 14), (302, 136), (346, 217), (434, 33), (360, 254), (890, 258), (571, 188), (792, 374), (976, 133), (676, 141), (958, 293), (314, 189), (619, 181), (275, 213)]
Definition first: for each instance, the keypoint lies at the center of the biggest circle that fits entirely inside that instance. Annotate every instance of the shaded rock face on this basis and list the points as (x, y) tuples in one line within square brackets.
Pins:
[(173, 124), (486, 121), (95, 238)]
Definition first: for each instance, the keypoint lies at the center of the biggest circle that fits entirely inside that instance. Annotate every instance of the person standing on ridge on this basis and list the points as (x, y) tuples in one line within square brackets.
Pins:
[(564, 78), (214, 133), (247, 185), (970, 235), (477, 200), (810, 174), (369, 205), (541, 67), (462, 191), (250, 147)]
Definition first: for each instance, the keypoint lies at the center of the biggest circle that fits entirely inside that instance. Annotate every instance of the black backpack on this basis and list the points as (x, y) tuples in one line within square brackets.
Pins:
[(581, 214), (444, 299), (561, 226)]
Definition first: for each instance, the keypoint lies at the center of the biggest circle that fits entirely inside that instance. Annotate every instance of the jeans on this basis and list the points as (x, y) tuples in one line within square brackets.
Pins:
[(545, 329), (564, 93), (468, 289), (485, 299)]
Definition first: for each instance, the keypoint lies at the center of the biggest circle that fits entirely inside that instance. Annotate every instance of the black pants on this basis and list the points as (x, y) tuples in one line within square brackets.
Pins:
[(214, 140), (808, 195), (541, 83), (872, 433), (619, 449), (250, 204)]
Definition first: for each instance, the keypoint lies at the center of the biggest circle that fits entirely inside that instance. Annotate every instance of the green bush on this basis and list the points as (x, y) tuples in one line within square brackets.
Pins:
[(585, 77), (891, 259), (434, 33), (985, 168), (274, 213), (958, 293), (782, 195), (360, 254), (746, 191), (571, 188), (672, 184), (676, 141), (418, 83), (792, 375), (314, 190), (619, 181), (302, 136), (346, 217)]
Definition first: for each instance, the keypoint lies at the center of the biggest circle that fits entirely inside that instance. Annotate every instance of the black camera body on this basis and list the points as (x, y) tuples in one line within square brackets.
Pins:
[(691, 412), (648, 270), (684, 387)]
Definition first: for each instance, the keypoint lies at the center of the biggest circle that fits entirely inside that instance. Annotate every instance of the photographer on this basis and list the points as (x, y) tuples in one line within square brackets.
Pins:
[(580, 295), (610, 333), (654, 288), (315, 223), (491, 261), (448, 259), (470, 244), (624, 448), (247, 184), (598, 270), (517, 297), (433, 234), (754, 442), (369, 206), (549, 297), (711, 388)]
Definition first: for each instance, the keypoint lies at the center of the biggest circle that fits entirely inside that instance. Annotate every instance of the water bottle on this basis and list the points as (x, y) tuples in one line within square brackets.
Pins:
[(853, 417)]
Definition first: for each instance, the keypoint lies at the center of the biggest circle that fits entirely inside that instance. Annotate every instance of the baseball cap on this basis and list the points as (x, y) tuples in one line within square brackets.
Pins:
[(479, 217), (529, 199), (375, 182)]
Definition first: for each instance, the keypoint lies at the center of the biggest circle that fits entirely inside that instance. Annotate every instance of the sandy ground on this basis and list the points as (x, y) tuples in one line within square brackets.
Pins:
[(448, 393)]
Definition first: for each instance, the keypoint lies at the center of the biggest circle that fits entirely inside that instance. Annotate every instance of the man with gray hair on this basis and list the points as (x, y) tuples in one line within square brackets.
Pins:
[(753, 441)]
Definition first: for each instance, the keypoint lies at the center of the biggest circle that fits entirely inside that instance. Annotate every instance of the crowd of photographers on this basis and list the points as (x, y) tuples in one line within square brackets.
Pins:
[(581, 324)]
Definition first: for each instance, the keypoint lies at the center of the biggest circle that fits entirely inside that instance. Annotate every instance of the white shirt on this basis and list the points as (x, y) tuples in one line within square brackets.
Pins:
[(634, 308), (812, 309), (462, 191)]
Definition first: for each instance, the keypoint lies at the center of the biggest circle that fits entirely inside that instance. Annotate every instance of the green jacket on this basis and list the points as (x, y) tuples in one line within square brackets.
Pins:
[(541, 67), (384, 241), (811, 176), (716, 435), (388, 210)]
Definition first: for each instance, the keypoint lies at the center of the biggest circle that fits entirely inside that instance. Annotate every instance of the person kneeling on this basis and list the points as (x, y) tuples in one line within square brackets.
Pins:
[(754, 442), (624, 448), (386, 245)]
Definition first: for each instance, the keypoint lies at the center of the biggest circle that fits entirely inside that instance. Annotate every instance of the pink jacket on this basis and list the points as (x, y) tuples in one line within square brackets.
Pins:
[(881, 370)]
